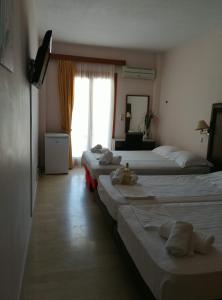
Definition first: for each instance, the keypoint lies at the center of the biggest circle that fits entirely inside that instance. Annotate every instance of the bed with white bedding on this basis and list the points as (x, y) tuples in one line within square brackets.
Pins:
[(160, 189), (195, 277), (142, 162)]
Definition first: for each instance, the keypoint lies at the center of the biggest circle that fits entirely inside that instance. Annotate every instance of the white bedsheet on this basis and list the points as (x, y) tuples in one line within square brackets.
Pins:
[(189, 278), (159, 189), (142, 162)]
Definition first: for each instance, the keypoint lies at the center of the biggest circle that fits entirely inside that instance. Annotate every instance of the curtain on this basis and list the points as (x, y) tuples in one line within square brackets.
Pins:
[(90, 70), (94, 104), (66, 74)]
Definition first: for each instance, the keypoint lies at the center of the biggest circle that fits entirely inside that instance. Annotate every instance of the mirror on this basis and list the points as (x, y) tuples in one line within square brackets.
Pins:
[(137, 108)]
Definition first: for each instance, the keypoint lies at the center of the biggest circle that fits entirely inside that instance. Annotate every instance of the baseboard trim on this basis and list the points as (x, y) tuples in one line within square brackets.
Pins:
[(24, 259), (27, 245)]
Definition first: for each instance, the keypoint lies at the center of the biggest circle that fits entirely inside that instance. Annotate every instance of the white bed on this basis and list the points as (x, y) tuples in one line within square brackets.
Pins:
[(160, 189), (142, 162), (195, 278)]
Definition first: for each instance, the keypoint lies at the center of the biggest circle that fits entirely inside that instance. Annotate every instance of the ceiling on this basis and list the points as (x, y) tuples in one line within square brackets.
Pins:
[(136, 24)]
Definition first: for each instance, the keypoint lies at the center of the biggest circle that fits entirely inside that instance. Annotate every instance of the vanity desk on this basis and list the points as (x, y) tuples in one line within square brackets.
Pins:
[(137, 122), (121, 144)]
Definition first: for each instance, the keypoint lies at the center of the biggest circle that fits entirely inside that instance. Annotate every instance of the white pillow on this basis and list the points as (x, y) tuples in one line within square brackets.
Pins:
[(215, 177), (165, 150), (188, 159)]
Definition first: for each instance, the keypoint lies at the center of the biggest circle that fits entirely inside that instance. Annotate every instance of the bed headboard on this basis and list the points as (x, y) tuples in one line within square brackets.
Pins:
[(214, 152)]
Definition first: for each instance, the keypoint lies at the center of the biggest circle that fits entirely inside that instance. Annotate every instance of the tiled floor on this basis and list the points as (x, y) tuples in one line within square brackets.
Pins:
[(72, 254)]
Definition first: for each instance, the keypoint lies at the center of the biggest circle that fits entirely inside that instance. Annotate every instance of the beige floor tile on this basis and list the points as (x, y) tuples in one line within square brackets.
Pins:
[(72, 254)]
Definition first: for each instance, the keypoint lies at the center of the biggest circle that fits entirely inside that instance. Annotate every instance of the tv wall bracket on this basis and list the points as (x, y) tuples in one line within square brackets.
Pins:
[(31, 69)]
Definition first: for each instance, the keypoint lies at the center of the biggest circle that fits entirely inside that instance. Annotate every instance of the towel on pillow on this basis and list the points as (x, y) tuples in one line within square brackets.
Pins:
[(179, 242)]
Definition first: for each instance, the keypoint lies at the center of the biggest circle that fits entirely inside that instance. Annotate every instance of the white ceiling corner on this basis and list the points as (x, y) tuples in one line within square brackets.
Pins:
[(140, 24)]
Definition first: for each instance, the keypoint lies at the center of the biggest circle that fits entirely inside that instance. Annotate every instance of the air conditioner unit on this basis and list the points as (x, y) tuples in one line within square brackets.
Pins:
[(138, 73)]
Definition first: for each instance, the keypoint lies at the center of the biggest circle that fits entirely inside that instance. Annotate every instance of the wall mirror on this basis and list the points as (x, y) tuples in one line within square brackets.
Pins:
[(137, 108)]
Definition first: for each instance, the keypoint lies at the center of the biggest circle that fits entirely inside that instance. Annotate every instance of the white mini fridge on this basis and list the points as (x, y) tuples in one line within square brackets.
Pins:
[(56, 153)]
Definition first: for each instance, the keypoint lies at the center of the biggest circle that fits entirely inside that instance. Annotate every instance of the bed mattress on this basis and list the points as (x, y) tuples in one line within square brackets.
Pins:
[(142, 162), (196, 277), (159, 189)]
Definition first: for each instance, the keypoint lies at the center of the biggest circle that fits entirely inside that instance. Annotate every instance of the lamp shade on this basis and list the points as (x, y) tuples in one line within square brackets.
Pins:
[(202, 125), (128, 114)]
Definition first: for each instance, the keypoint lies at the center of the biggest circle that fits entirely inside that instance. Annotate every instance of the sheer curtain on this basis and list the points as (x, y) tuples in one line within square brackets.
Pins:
[(93, 110)]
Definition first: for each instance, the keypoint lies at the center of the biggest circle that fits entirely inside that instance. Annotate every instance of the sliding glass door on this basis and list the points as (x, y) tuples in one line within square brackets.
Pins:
[(92, 113)]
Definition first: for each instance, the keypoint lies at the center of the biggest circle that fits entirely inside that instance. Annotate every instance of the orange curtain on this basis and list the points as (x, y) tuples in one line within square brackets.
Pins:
[(66, 73)]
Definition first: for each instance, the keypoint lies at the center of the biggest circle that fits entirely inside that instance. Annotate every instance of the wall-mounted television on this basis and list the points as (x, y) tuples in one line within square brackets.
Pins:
[(40, 64)]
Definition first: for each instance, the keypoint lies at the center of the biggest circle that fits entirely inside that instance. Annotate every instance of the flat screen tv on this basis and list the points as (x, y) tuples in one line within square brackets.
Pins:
[(40, 64)]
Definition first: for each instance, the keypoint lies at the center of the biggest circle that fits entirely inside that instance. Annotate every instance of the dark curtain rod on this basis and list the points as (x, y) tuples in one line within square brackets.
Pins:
[(88, 59)]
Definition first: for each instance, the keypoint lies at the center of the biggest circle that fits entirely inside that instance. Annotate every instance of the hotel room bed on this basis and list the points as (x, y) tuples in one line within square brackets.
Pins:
[(141, 162), (160, 189), (195, 277)]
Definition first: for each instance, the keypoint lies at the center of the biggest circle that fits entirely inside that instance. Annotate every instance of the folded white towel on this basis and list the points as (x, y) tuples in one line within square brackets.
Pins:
[(134, 192), (116, 160), (179, 242), (106, 158), (116, 176), (201, 243)]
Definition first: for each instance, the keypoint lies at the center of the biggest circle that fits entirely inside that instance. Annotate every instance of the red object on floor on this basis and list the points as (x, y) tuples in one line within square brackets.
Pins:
[(90, 182)]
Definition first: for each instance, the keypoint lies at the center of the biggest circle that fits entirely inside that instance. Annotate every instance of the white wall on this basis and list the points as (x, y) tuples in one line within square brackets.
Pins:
[(191, 82), (15, 177), (33, 43)]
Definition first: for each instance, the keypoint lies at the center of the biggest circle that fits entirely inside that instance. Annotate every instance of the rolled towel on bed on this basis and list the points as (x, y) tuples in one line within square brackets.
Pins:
[(96, 148), (116, 160), (165, 229), (202, 243), (179, 242), (116, 176), (103, 150), (106, 158)]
